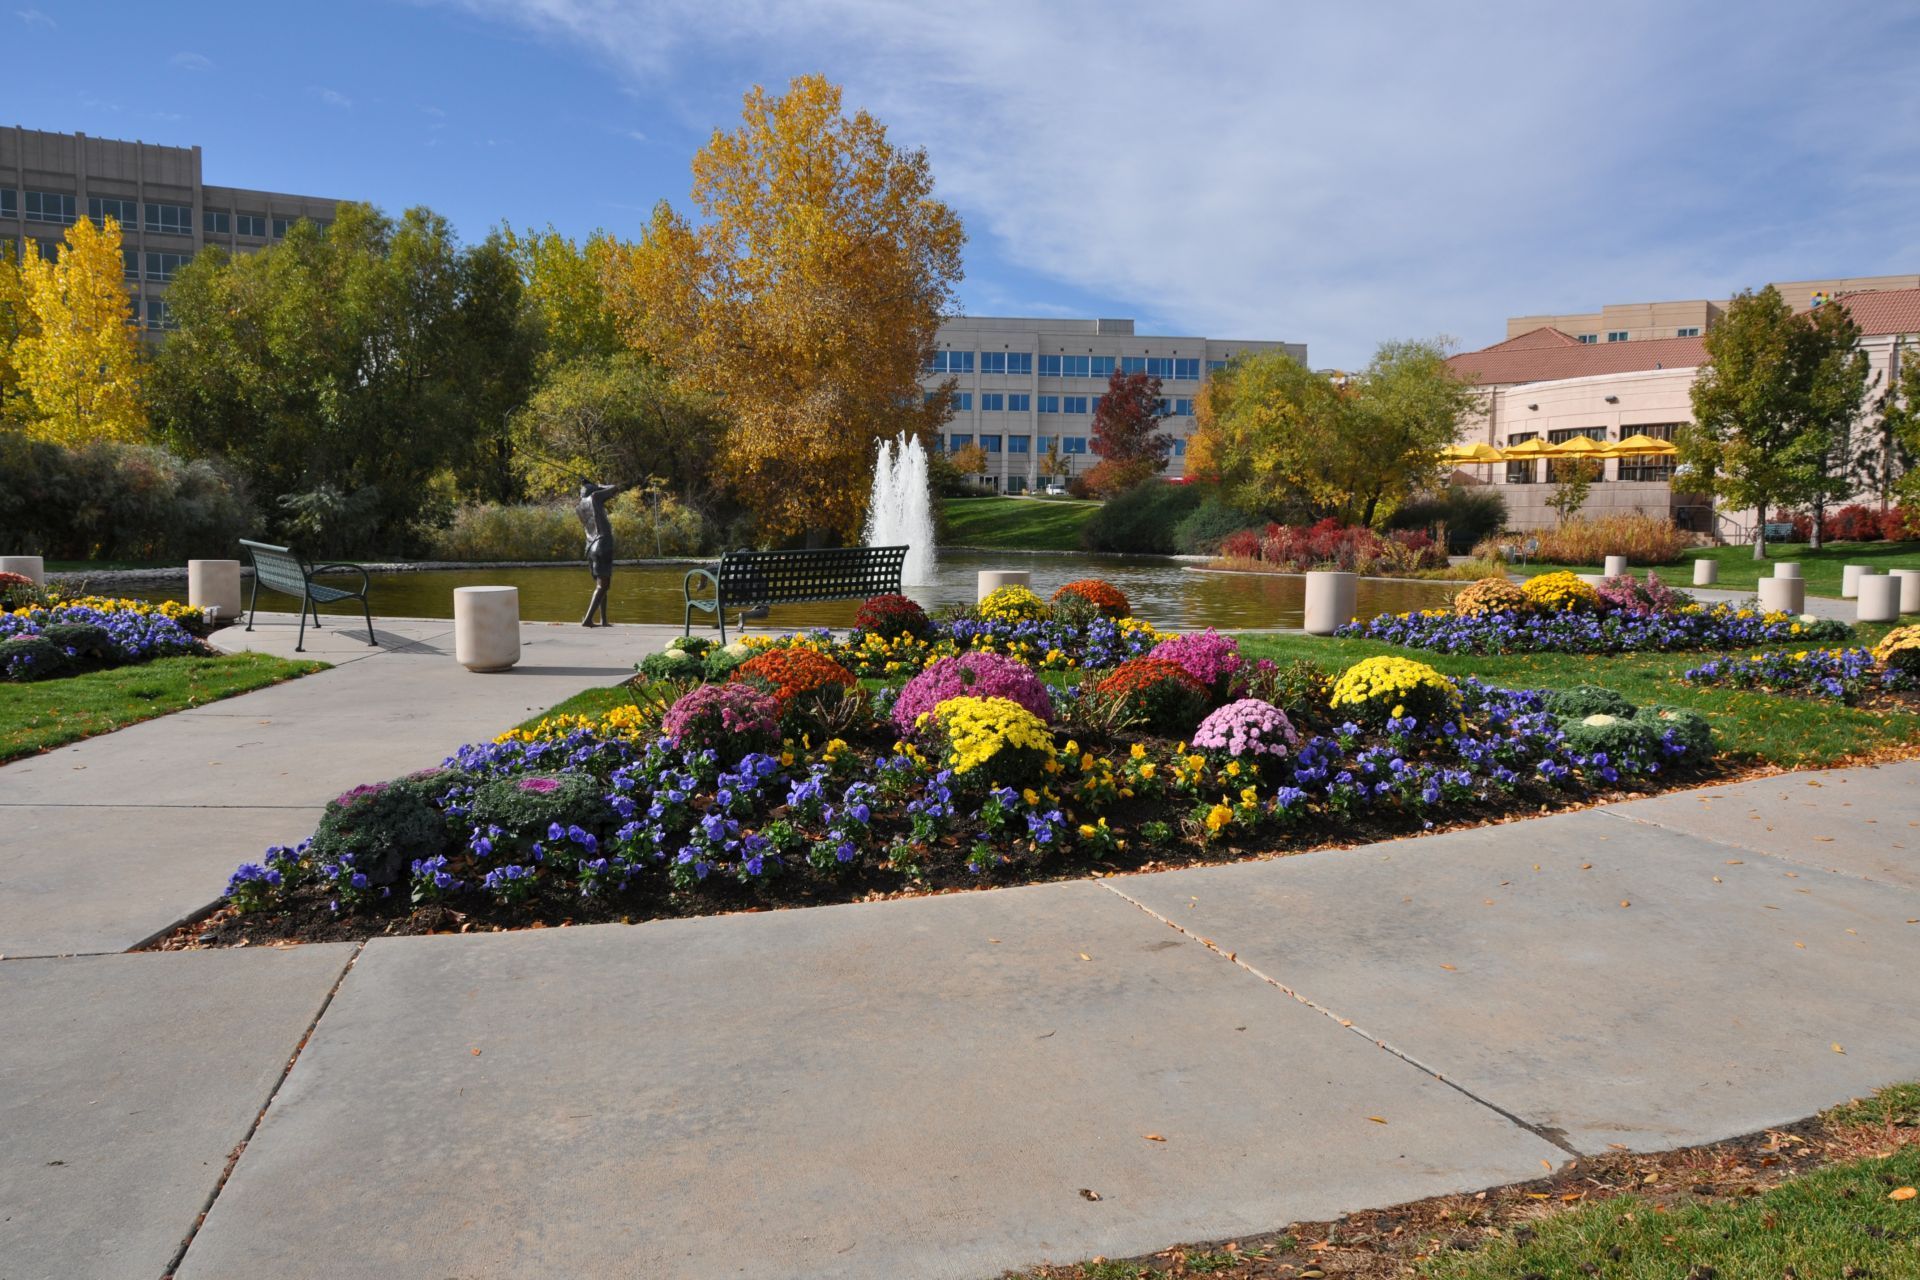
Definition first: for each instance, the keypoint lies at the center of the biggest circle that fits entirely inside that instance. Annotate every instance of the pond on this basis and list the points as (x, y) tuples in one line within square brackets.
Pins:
[(1164, 592)]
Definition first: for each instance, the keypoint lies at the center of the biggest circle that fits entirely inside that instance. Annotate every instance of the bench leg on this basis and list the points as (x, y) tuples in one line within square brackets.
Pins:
[(315, 606), (300, 641), (253, 604), (367, 609)]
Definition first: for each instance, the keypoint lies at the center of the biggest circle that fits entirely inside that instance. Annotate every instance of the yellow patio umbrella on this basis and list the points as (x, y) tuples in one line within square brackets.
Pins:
[(1645, 447), (1470, 454), (1526, 450), (1578, 447)]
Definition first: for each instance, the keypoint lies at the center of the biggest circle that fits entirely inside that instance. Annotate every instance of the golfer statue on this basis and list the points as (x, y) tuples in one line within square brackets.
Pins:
[(592, 510)]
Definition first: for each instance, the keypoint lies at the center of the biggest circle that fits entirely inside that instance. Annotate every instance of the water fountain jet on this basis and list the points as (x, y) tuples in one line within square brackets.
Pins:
[(900, 511)]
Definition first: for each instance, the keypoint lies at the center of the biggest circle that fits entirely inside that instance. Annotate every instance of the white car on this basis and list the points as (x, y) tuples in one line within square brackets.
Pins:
[(1056, 491)]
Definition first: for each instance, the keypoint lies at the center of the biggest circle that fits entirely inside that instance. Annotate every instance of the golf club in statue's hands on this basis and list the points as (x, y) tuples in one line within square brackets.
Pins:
[(592, 510)]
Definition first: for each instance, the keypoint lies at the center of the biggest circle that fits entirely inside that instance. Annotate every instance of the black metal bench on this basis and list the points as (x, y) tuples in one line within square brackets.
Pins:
[(753, 579), (281, 569)]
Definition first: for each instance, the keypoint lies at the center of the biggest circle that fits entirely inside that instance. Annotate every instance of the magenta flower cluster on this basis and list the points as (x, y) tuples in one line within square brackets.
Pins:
[(1248, 727), (970, 675), (1207, 656), (713, 714)]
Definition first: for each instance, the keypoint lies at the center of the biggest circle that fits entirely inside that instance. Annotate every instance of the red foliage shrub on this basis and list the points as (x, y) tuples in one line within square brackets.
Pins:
[(891, 616)]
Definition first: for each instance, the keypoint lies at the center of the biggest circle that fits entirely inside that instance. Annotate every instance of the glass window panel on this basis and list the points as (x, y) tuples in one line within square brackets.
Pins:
[(1019, 402), (1020, 362), (1017, 444), (1049, 366)]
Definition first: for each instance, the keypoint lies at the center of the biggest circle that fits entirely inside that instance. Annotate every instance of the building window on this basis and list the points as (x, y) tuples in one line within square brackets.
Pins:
[(250, 224), (1073, 404), (1101, 367), (993, 362), (942, 361), (960, 442), (161, 266), (1589, 338), (49, 250), (1020, 362), (1690, 331), (963, 401), (50, 206), (1049, 366), (1215, 366), (1076, 366), (1019, 402), (1183, 408), (1573, 433), (1185, 370), (124, 212), (1017, 444), (1163, 406), (992, 402), (1160, 367), (217, 222), (130, 260), (1616, 335), (1131, 365), (990, 443), (283, 225), (158, 316), (1528, 471), (9, 203), (1179, 447), (1073, 444), (1049, 404), (1655, 469), (172, 219)]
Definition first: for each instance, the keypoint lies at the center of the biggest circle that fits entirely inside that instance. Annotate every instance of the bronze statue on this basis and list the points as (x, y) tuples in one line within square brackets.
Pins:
[(592, 510)]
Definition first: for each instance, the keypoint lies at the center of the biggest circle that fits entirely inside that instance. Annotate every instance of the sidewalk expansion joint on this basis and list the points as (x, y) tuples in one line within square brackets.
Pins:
[(1748, 849), (233, 1157), (1548, 1135)]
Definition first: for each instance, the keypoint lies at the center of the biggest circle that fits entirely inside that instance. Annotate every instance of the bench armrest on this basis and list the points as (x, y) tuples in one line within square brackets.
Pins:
[(686, 585), (366, 583)]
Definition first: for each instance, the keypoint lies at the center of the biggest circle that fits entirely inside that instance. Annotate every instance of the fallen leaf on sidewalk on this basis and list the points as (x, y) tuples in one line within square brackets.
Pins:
[(1088, 1193), (1153, 1137), (1377, 1119), (1085, 956), (1837, 1048), (1625, 903), (1449, 968)]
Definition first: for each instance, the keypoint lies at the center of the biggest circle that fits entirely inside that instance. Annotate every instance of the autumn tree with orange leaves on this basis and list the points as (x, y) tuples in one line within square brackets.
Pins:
[(805, 297)]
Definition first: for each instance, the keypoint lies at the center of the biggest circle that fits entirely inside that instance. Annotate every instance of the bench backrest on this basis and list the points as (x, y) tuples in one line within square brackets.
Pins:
[(795, 577), (277, 567)]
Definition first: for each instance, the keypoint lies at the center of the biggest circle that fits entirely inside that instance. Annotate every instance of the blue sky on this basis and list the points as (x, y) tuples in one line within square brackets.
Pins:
[(1333, 174)]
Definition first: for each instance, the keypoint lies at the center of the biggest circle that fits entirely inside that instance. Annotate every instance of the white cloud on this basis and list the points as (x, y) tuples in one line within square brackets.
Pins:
[(192, 61), (1347, 174), (35, 18), (334, 98)]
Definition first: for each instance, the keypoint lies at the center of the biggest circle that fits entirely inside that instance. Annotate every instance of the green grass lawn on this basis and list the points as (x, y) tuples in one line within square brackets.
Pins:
[(1740, 571), (1752, 727), (1017, 524), (51, 713)]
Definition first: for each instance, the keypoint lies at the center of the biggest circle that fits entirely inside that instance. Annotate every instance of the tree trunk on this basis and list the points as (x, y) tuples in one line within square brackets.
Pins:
[(1760, 531), (1366, 517)]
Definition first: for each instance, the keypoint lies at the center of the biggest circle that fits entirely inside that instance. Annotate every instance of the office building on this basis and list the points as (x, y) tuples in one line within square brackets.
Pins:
[(166, 212), (1023, 386), (1644, 321)]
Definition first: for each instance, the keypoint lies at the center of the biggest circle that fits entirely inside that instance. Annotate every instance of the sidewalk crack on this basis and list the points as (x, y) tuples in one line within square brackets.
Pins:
[(1545, 1133)]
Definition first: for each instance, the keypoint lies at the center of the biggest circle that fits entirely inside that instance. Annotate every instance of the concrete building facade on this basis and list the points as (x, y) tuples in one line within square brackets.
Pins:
[(1023, 385), (1642, 321), (166, 211)]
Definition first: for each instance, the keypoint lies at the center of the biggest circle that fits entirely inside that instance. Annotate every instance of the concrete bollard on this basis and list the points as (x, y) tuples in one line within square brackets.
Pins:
[(1783, 595), (1787, 569), (1616, 566), (215, 584), (27, 567), (1705, 572), (486, 627), (991, 580), (1330, 599), (1909, 589), (1879, 599), (1594, 580), (1850, 575)]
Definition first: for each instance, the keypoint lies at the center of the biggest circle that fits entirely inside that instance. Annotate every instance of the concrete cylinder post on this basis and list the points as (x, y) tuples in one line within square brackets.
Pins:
[(1783, 595), (1909, 589), (1787, 569), (991, 580), (1595, 580), (1705, 572), (486, 627), (1850, 575), (1879, 598), (1330, 600), (1616, 566), (27, 567), (215, 584)]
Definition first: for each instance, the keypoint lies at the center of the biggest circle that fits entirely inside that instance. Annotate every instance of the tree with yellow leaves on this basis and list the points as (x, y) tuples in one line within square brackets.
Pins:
[(77, 357), (15, 320), (806, 298)]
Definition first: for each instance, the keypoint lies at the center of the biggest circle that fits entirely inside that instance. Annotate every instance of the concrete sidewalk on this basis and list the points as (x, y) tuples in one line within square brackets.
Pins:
[(110, 840)]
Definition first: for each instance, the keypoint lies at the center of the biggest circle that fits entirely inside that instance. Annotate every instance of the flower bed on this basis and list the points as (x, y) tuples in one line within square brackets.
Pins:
[(1849, 676), (70, 636), (612, 819), (1583, 630)]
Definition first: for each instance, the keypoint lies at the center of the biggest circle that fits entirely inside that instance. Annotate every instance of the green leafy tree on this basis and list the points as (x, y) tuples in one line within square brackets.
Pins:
[(1893, 445), (564, 286), (618, 419), (1398, 414), (1572, 485), (1259, 429), (1773, 407)]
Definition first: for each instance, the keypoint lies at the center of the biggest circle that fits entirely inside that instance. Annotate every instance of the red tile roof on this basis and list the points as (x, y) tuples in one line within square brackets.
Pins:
[(1884, 310), (1548, 355)]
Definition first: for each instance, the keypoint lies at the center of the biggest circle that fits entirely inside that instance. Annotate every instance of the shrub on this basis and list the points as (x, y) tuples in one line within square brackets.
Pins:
[(1628, 594), (526, 809), (1692, 729), (1141, 520), (1491, 595), (798, 678), (1202, 530), (1642, 539), (547, 531), (1156, 692), (384, 826), (1469, 514), (1107, 599), (1586, 700), (1561, 592), (117, 502), (1332, 545), (1248, 728), (1301, 688), (32, 657), (725, 660), (88, 647), (18, 591), (1207, 656), (1012, 604), (729, 719), (991, 740), (1617, 736), (1899, 649), (1854, 523), (1375, 690), (891, 616), (974, 674)]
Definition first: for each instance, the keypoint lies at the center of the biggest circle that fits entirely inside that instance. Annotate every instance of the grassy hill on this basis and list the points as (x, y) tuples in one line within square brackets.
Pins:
[(1016, 524)]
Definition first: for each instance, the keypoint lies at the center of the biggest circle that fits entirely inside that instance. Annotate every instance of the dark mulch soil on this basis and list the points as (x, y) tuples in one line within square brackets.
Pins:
[(1390, 1243)]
